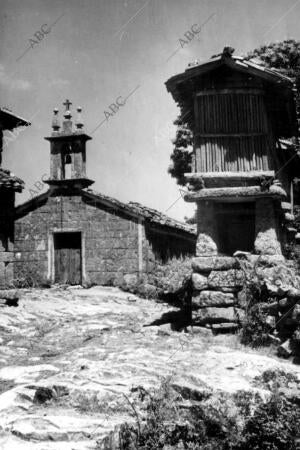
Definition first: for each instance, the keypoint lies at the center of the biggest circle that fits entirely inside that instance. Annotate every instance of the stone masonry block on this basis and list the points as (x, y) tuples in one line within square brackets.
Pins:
[(199, 281), (208, 263), (232, 278), (212, 298)]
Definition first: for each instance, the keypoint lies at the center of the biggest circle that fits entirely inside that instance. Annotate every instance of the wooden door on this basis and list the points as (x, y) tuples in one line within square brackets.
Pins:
[(67, 258)]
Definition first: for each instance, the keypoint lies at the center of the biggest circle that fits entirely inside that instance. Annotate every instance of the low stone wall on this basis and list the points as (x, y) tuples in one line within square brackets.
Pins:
[(216, 281)]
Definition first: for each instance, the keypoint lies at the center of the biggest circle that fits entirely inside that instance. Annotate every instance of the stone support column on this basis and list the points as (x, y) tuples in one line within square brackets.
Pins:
[(266, 228), (207, 236)]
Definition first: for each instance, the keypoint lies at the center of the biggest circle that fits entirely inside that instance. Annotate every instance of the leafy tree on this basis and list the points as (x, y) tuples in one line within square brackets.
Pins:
[(182, 153), (283, 56)]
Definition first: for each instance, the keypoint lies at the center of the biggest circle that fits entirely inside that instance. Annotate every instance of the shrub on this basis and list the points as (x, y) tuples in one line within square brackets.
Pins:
[(255, 331), (168, 426), (273, 426), (221, 422)]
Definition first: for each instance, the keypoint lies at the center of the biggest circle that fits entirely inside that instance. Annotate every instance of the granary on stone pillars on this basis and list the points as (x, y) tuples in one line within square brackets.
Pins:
[(9, 185), (243, 117), (72, 234), (240, 175)]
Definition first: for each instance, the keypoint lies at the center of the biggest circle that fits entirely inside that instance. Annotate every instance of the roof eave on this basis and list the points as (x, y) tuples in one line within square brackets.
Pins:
[(16, 121)]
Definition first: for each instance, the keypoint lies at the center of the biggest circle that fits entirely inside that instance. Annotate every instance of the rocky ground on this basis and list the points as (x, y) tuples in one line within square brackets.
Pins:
[(71, 358)]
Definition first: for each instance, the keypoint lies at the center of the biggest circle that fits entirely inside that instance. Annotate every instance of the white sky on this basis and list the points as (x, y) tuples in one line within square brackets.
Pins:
[(101, 49)]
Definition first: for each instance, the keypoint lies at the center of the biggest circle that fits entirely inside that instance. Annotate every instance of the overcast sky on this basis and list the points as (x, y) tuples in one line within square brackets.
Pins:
[(98, 50)]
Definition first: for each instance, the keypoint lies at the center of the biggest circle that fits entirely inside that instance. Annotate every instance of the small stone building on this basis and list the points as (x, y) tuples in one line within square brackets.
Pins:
[(241, 177), (9, 185), (71, 234)]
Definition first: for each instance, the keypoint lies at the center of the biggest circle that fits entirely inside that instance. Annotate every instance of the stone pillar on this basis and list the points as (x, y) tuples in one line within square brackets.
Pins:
[(266, 228), (207, 236)]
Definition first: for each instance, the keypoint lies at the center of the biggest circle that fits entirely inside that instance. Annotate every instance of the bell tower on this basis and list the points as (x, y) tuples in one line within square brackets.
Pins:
[(68, 151)]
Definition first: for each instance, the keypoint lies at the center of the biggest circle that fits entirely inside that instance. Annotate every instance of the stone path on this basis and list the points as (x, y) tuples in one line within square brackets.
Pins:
[(83, 350)]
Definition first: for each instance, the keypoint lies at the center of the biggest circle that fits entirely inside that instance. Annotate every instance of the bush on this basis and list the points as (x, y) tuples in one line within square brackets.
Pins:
[(241, 422), (273, 426), (168, 426), (255, 331)]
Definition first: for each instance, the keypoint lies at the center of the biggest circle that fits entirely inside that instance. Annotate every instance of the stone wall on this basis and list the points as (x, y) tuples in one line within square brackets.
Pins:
[(7, 198), (110, 240), (216, 281), (159, 247), (115, 244)]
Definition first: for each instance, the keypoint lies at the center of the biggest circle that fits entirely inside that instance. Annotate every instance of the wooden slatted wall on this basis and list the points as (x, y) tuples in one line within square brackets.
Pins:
[(232, 131)]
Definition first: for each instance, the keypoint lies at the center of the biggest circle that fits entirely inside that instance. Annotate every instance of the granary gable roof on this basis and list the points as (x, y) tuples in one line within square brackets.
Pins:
[(10, 181), (279, 88), (133, 209), (235, 62)]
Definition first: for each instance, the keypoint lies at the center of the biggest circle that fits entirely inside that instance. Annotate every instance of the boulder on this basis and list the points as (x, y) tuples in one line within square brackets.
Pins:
[(212, 298), (9, 297), (214, 315), (205, 245), (232, 278), (241, 315), (9, 294), (293, 293), (285, 303), (130, 281), (271, 321), (208, 263), (285, 349), (243, 298), (199, 281), (296, 314), (42, 395)]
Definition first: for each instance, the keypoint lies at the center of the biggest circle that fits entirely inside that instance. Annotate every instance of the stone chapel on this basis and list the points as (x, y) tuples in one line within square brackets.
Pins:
[(74, 235)]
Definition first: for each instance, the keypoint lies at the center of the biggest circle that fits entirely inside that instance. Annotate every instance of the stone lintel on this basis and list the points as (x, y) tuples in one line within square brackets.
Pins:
[(250, 192), (243, 176)]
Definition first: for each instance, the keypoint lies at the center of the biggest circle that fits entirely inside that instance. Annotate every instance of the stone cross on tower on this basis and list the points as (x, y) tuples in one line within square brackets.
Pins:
[(67, 104), (68, 152)]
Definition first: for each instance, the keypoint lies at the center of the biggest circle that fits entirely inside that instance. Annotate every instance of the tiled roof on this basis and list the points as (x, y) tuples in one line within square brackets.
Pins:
[(157, 217), (9, 181), (132, 208), (149, 214)]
